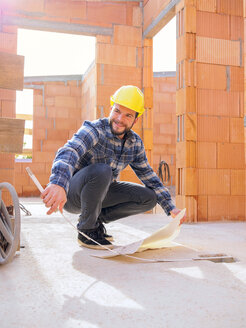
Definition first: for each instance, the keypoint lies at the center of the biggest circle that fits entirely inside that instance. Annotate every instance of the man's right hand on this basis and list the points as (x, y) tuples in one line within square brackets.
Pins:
[(54, 196)]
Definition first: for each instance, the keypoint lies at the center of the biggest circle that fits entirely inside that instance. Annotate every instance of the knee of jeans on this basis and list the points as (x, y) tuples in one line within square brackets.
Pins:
[(101, 171), (150, 197)]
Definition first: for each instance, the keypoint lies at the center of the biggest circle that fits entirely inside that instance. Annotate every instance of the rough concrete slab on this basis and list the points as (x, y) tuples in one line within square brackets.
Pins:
[(53, 282)]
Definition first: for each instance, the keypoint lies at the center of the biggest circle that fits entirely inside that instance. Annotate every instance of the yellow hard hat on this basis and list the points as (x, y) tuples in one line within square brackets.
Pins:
[(129, 96)]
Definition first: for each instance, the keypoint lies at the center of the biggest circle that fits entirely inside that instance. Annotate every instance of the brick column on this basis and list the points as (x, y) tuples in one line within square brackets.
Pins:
[(8, 44), (210, 147), (186, 170)]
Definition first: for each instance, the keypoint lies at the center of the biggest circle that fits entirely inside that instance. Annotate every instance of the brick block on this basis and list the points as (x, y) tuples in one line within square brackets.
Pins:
[(67, 9), (237, 27), (186, 47), (106, 12), (65, 123), (36, 167), (116, 55), (211, 76), (213, 25), (238, 182), (190, 121), (30, 191), (189, 74), (186, 154), (75, 91), (103, 38), (27, 5), (218, 51), (22, 179), (8, 42), (190, 19), (213, 182), (7, 161), (148, 138), (236, 78), (51, 145), (221, 102), (202, 208), (65, 101), (58, 112), (190, 203), (137, 16), (6, 197), (43, 157), (190, 187), (213, 128), (230, 156), (128, 175), (148, 97), (206, 155), (38, 111), (48, 167), (56, 90), (127, 35), (6, 94), (118, 75), (8, 108), (7, 175), (206, 5), (43, 123), (229, 7), (186, 100), (18, 167), (218, 208), (39, 133), (237, 208), (49, 101), (38, 100), (236, 130)]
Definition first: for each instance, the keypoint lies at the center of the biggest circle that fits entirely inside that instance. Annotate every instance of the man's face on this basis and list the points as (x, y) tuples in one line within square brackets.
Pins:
[(121, 120)]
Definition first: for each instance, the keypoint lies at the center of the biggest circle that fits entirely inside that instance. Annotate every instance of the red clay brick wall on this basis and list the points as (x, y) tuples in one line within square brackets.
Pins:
[(220, 135), (8, 44), (164, 141), (56, 116), (211, 153)]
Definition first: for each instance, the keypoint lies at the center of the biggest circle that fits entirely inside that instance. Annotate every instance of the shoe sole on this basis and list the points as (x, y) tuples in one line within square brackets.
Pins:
[(110, 238), (95, 246)]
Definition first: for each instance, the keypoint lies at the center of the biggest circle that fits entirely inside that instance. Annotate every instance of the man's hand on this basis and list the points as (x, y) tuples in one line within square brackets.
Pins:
[(175, 212), (54, 196)]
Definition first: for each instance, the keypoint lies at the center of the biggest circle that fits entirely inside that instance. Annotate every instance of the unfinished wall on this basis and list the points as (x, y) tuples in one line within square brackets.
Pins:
[(164, 119), (8, 44), (210, 151), (56, 116)]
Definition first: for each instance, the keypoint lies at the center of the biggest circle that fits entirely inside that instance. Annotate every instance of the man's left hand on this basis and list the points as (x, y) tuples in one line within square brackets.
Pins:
[(175, 212)]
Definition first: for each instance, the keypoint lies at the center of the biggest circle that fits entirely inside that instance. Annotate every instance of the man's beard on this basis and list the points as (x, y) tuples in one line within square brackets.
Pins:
[(127, 129)]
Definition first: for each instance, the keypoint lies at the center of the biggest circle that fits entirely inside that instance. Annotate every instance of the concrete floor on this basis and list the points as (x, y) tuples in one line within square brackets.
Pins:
[(52, 282)]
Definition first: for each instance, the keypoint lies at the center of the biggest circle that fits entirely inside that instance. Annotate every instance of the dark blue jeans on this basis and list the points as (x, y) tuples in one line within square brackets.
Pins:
[(94, 195)]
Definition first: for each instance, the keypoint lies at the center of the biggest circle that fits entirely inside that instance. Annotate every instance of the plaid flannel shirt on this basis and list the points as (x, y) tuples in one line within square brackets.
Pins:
[(93, 143)]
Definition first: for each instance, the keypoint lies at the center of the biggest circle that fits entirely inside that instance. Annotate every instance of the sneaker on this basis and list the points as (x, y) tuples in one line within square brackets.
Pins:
[(96, 235), (104, 231)]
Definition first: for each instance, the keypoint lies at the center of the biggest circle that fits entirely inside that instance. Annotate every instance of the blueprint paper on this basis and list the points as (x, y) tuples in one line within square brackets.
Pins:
[(159, 239)]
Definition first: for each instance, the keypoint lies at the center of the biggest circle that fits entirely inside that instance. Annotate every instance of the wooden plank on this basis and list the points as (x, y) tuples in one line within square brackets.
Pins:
[(27, 117), (11, 71), (11, 135)]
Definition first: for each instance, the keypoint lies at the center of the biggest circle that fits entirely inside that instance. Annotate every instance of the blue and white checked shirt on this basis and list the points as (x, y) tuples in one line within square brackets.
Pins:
[(93, 143)]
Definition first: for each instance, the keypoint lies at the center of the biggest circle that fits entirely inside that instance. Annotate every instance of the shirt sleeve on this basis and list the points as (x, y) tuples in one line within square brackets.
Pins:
[(145, 173), (66, 158)]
